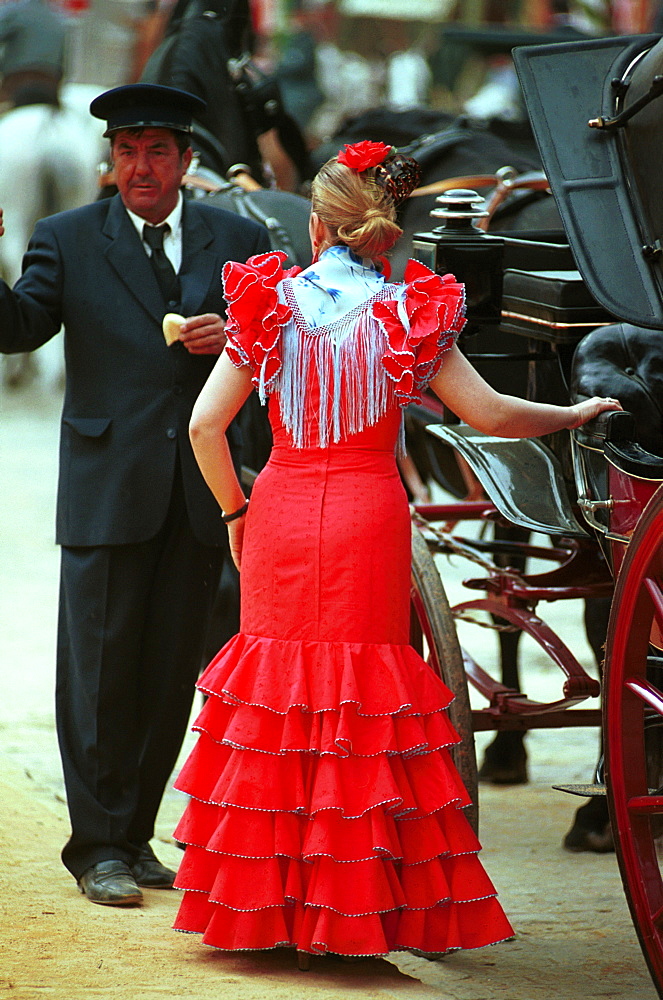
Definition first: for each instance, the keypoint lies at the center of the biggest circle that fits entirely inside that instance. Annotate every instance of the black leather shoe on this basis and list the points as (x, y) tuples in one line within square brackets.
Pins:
[(149, 872), (111, 884)]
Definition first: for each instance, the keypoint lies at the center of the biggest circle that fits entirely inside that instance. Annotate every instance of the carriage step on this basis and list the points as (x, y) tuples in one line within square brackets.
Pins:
[(512, 472), (586, 791)]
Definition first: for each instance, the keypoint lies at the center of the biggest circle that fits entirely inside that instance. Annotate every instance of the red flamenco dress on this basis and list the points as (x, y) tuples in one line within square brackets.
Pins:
[(325, 813)]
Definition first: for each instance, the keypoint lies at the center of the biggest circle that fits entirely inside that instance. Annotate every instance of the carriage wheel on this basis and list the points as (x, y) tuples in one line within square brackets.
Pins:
[(633, 730), (433, 635)]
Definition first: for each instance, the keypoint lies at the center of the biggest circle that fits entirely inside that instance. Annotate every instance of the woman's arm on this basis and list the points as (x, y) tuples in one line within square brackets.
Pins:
[(470, 397), (226, 389)]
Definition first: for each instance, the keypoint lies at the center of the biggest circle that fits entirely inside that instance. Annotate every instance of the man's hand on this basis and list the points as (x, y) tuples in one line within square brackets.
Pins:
[(204, 334)]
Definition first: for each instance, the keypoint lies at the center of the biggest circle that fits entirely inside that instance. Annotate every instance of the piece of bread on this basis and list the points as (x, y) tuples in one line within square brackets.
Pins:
[(171, 327)]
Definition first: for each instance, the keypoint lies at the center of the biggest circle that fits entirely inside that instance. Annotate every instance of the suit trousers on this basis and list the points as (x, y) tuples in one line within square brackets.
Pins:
[(131, 634)]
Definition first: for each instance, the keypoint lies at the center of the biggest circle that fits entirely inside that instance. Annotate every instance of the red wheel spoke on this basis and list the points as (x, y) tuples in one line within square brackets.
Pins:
[(653, 586), (646, 692), (646, 805)]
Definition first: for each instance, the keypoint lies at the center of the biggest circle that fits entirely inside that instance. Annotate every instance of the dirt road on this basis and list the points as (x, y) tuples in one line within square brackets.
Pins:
[(574, 935)]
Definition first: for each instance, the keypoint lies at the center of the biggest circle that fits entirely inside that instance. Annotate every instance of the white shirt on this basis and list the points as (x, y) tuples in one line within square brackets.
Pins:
[(172, 240)]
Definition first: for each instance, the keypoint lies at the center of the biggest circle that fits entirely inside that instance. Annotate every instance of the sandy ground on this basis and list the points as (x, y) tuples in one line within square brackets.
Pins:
[(574, 937)]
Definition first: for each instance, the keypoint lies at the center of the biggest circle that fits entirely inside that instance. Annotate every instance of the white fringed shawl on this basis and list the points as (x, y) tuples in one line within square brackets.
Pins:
[(345, 357)]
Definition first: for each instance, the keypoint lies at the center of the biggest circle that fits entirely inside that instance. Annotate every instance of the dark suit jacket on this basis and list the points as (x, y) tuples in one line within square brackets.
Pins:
[(128, 397)]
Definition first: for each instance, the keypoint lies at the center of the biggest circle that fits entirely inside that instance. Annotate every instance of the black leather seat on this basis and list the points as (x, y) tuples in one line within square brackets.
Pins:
[(625, 362)]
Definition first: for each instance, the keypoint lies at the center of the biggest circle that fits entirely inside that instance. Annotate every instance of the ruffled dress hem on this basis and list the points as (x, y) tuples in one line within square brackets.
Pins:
[(325, 813)]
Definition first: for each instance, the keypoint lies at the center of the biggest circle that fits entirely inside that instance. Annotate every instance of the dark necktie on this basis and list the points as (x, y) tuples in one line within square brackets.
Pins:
[(163, 269)]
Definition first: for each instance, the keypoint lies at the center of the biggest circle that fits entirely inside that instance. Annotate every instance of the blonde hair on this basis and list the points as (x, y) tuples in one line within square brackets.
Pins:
[(356, 209)]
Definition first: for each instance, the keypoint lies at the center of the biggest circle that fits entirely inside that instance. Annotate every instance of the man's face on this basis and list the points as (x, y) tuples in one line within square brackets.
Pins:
[(149, 171)]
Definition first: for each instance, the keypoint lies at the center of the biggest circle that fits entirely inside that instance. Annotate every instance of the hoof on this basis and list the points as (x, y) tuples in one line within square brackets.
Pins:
[(598, 841), (505, 761), (303, 961), (591, 829)]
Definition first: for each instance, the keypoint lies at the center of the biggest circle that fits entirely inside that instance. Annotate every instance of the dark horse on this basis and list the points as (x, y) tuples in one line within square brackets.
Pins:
[(447, 146), (207, 50)]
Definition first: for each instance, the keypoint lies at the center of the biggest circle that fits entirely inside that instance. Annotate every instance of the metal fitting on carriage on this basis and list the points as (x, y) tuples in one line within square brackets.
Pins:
[(459, 247), (460, 203), (652, 251), (236, 169), (586, 503)]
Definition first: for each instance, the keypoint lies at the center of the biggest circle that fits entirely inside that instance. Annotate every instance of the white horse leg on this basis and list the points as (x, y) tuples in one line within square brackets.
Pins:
[(48, 162), (20, 199), (70, 158)]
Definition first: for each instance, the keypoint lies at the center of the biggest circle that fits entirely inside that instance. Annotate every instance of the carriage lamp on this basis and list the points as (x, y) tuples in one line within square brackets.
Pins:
[(459, 247)]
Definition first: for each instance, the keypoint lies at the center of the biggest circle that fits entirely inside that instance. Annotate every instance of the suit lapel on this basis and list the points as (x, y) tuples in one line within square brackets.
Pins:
[(127, 256), (199, 264)]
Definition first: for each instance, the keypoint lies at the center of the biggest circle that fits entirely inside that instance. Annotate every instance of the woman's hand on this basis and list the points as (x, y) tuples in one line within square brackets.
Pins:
[(236, 539), (591, 408)]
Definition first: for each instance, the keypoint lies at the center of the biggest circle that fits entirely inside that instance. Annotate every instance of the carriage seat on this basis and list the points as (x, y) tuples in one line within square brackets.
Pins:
[(625, 362)]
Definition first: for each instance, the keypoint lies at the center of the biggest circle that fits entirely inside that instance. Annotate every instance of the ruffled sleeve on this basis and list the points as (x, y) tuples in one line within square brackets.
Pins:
[(420, 327), (255, 315)]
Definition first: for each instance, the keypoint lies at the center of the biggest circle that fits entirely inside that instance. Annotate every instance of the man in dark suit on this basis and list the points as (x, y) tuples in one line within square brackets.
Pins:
[(143, 540)]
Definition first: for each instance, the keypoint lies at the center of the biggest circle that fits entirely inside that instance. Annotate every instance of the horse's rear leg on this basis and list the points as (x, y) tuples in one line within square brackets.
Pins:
[(590, 830), (505, 759)]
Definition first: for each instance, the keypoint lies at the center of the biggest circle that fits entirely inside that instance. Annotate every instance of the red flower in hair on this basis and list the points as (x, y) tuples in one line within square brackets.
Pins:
[(362, 155)]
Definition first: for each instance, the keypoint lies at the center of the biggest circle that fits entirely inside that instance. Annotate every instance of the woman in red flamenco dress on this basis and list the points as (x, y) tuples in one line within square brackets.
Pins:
[(325, 813)]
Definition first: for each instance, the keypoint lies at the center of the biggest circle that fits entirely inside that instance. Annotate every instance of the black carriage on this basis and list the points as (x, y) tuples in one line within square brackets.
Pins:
[(572, 321)]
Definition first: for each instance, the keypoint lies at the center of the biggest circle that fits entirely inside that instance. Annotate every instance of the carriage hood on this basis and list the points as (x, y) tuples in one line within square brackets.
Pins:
[(606, 178)]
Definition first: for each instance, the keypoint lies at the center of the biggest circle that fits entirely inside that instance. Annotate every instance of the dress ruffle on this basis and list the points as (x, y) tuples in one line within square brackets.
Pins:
[(325, 813), (434, 306), (255, 315)]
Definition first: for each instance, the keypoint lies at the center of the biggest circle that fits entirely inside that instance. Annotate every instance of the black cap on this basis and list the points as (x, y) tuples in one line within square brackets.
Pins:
[(606, 178), (147, 105)]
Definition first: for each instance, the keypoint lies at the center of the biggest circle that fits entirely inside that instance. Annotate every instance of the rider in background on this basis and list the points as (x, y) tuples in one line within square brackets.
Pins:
[(33, 50)]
